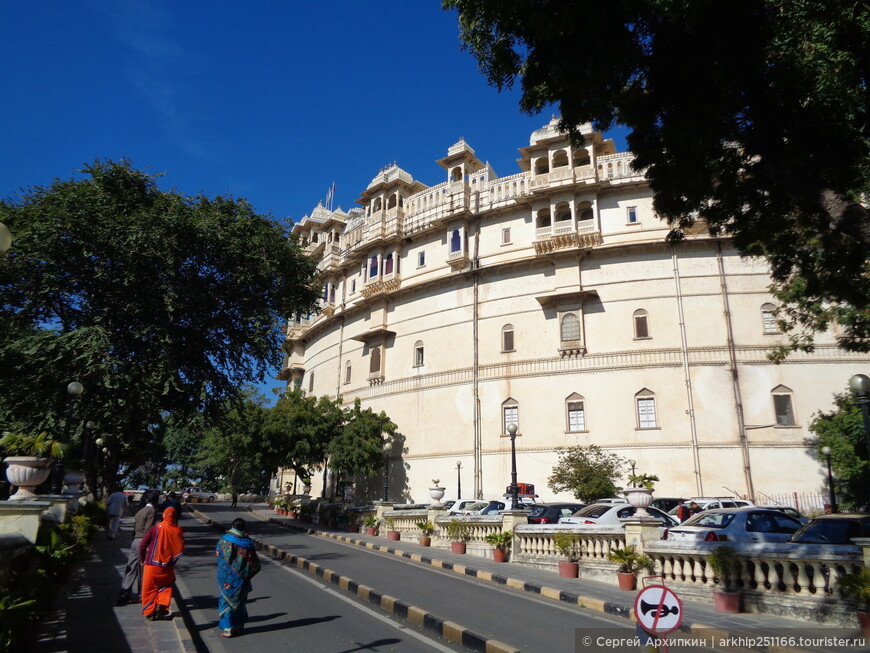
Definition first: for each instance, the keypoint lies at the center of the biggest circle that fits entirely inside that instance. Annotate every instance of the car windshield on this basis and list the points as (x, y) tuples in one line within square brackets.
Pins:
[(537, 511), (827, 531), (595, 510), (710, 520)]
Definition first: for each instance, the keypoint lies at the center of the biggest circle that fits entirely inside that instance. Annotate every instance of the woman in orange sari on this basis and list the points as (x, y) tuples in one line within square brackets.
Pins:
[(159, 550)]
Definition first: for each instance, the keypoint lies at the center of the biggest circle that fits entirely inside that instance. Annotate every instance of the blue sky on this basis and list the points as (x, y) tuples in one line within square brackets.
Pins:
[(269, 100)]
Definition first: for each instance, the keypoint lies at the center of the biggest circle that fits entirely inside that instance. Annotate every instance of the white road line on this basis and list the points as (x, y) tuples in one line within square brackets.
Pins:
[(372, 613)]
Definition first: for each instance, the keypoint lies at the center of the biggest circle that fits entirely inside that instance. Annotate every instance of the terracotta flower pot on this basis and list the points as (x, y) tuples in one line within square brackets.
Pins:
[(569, 569), (394, 535), (292, 514), (425, 540), (353, 528), (864, 622), (371, 530), (728, 602), (626, 581), (499, 555), (457, 547)]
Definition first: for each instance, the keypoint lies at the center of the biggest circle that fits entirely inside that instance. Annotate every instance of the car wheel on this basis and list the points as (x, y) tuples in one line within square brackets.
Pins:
[(210, 499)]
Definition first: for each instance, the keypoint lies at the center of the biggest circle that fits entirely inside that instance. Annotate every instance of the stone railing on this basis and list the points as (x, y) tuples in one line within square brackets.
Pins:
[(798, 581), (534, 546)]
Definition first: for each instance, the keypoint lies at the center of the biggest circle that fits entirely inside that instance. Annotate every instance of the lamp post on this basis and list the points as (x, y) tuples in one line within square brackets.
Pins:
[(5, 238), (515, 490), (388, 447), (832, 499), (633, 464), (860, 386), (74, 389), (458, 479)]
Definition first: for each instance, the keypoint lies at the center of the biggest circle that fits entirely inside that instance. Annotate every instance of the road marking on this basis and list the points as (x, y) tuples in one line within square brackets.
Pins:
[(362, 608)]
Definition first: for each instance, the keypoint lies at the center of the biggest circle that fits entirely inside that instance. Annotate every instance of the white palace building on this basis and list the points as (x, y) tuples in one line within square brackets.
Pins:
[(550, 299)]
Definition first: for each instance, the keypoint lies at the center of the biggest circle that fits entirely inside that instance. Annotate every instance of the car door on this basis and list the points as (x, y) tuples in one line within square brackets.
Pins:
[(770, 526)]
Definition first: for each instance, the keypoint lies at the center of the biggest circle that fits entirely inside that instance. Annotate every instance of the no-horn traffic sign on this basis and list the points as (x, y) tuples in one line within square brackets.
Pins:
[(658, 610)]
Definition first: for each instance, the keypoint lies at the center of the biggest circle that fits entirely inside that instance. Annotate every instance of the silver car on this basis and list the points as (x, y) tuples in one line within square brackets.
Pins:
[(614, 514), (740, 525)]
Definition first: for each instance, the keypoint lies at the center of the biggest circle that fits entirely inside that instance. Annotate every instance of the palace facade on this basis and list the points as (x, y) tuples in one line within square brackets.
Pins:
[(549, 299)]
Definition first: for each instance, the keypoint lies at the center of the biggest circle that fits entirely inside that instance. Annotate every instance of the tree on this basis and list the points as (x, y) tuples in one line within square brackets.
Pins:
[(842, 430), (588, 472), (751, 116), (360, 446), (158, 303)]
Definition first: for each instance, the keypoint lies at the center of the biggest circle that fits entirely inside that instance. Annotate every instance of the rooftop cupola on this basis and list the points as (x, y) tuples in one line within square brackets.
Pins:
[(460, 161)]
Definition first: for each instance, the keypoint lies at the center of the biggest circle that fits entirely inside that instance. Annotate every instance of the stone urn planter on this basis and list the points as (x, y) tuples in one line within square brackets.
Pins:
[(437, 493), (640, 498), (27, 473), (73, 480)]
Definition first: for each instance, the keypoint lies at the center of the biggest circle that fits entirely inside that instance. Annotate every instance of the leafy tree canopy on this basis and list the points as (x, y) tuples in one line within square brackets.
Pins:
[(750, 115), (360, 446), (842, 429), (158, 303), (588, 472)]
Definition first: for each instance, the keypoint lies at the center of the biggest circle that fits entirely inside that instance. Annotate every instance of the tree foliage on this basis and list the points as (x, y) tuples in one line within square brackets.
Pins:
[(158, 303), (751, 116), (359, 447), (588, 472), (842, 429)]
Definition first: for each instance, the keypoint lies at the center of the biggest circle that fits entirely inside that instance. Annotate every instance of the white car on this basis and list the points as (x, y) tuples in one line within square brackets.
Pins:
[(614, 514), (197, 493), (740, 525), (460, 507)]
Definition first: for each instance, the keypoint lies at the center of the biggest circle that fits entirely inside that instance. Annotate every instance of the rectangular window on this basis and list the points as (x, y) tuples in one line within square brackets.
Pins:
[(784, 413), (507, 341), (641, 328), (576, 416), (353, 285), (632, 214), (455, 241), (506, 236), (769, 319), (421, 259), (511, 416), (311, 382), (418, 356), (646, 412), (347, 373)]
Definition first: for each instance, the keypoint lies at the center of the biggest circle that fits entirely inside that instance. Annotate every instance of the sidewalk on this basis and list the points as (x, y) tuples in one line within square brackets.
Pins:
[(85, 617)]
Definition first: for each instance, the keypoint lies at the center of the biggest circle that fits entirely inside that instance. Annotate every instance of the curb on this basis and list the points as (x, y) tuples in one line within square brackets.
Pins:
[(449, 630), (181, 625)]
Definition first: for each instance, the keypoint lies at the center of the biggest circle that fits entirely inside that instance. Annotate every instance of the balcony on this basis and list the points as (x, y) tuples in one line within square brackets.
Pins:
[(381, 286), (550, 239), (458, 260)]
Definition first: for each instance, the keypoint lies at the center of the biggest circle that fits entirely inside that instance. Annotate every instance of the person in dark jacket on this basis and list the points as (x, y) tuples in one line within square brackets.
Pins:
[(145, 518)]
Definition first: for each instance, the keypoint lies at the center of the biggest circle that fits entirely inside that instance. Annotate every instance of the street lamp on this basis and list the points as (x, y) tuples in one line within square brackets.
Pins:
[(860, 386), (74, 389), (5, 238), (832, 500), (515, 489), (458, 479), (633, 464), (388, 447)]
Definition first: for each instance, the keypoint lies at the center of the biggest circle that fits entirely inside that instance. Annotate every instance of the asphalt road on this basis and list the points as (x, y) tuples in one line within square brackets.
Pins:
[(292, 610)]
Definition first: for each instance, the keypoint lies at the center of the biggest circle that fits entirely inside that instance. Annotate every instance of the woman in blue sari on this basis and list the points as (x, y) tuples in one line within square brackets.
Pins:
[(237, 565)]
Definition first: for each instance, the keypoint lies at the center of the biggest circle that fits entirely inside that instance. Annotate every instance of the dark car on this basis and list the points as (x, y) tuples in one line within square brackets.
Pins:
[(833, 529), (551, 513)]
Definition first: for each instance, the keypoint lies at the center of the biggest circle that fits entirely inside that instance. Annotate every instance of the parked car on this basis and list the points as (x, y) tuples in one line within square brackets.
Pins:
[(614, 514), (708, 503), (197, 493), (552, 513), (741, 525), (473, 508), (833, 529), (495, 507), (612, 500), (458, 507), (788, 510), (666, 504)]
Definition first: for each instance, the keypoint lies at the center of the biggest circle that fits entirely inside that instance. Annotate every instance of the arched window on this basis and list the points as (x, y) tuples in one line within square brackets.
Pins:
[(782, 405), (391, 203), (575, 406), (510, 415), (347, 372), (570, 328), (377, 204), (375, 360), (581, 158), (645, 403), (542, 166), (768, 319), (543, 218), (560, 159), (455, 241), (418, 353), (641, 325), (456, 174), (388, 265), (563, 212), (507, 337)]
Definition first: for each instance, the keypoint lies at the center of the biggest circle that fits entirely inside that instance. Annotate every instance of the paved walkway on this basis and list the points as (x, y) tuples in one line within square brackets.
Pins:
[(85, 617)]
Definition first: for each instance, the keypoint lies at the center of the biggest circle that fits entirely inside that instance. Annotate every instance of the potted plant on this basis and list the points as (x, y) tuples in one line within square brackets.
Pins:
[(306, 484), (436, 492), (857, 586), (426, 529), (640, 493), (392, 533), (371, 524), (352, 523), (501, 542), (725, 563), (459, 534), (566, 543), (630, 562), (28, 460)]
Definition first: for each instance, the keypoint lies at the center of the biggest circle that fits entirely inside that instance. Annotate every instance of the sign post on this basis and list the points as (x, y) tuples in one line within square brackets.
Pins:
[(658, 611)]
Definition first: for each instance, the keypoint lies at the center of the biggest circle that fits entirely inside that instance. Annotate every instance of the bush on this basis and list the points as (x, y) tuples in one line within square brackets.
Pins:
[(458, 531)]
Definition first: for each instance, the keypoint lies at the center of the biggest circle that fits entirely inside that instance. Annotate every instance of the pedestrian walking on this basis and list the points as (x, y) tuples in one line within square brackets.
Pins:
[(115, 506), (143, 521), (235, 498), (172, 501), (683, 512), (694, 508), (238, 563), (159, 550)]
